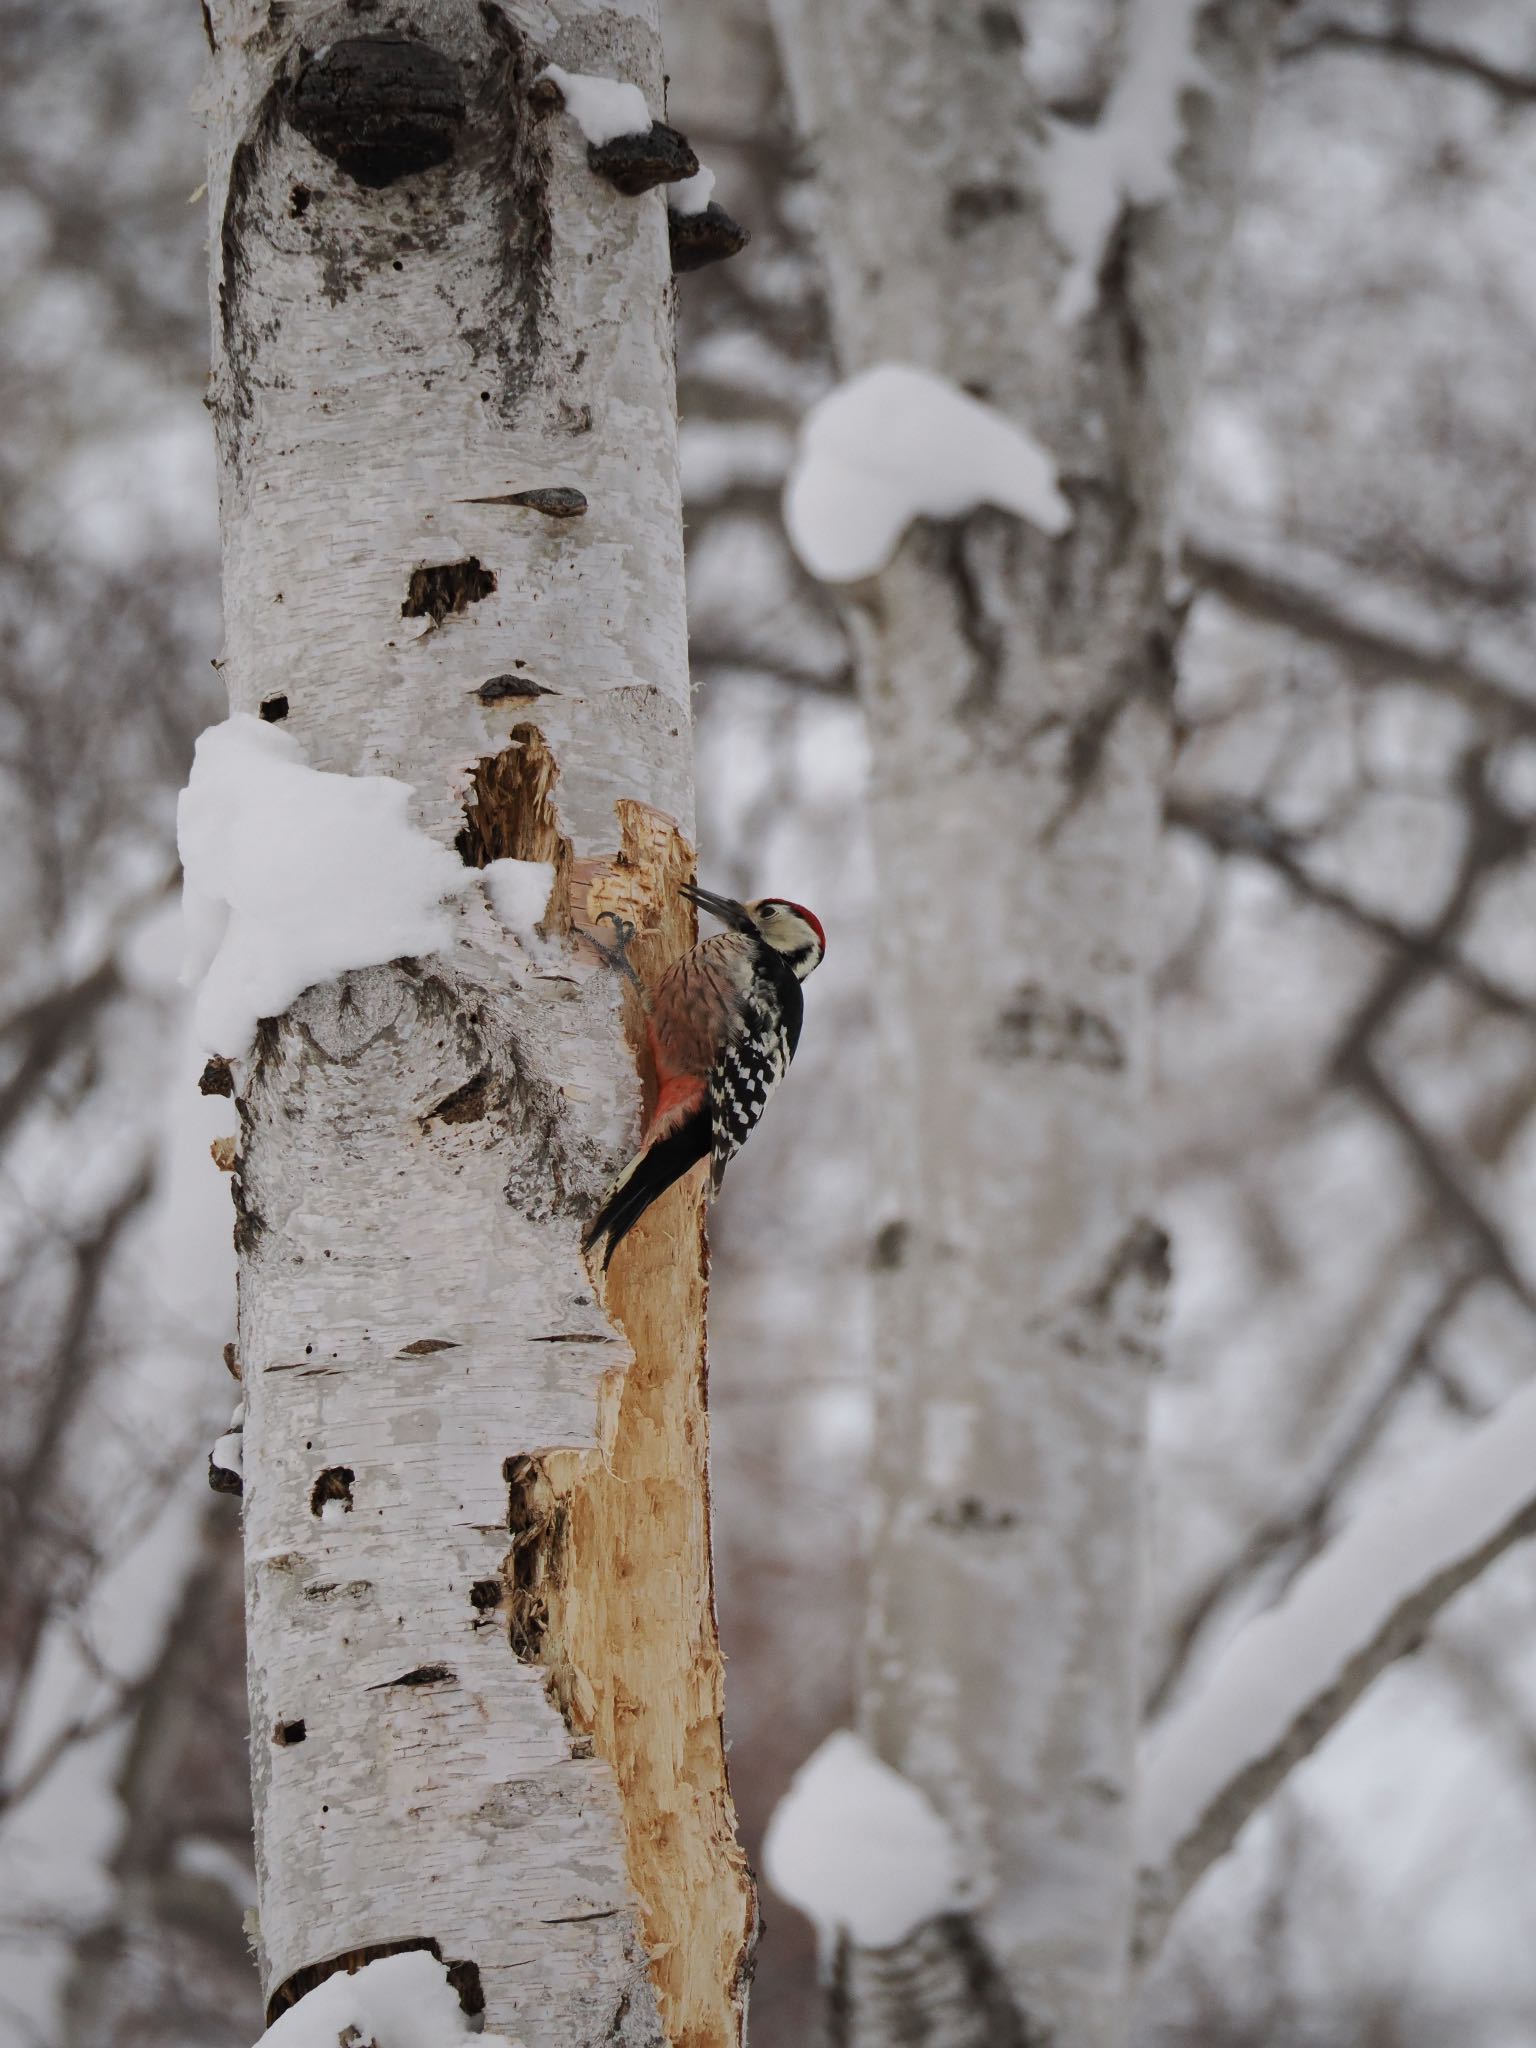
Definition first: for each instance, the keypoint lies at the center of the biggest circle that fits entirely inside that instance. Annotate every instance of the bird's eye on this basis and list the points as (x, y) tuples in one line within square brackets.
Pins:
[(770, 910)]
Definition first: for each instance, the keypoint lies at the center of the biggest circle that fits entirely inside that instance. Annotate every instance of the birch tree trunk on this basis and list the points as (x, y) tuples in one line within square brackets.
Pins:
[(1017, 689), (485, 1686)]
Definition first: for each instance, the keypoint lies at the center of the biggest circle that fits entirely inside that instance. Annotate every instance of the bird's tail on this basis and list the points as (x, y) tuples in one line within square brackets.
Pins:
[(648, 1176)]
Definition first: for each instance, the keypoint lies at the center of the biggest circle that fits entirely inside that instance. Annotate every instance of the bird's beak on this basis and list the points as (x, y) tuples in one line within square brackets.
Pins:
[(724, 907)]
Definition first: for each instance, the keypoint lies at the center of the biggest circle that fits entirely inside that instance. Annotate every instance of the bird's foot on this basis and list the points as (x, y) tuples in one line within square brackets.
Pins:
[(617, 955)]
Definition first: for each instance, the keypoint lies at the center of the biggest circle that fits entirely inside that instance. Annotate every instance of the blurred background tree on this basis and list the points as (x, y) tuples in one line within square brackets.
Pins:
[(1347, 1066)]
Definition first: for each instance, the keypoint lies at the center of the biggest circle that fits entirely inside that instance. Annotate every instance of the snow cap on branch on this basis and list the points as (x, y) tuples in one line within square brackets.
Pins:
[(292, 876), (602, 108), (398, 2002), (893, 444), (859, 1848)]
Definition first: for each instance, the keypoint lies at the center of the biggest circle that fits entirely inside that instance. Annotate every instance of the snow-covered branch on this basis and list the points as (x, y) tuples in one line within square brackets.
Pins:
[(896, 443), (860, 1849), (1293, 1674)]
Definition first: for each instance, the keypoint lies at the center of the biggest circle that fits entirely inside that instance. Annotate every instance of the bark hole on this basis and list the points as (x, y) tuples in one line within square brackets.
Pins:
[(970, 1516), (464, 1975), (888, 1252), (485, 1598), (443, 588), (334, 1483), (380, 107), (509, 814), (465, 1105), (465, 1979), (1037, 1025), (286, 1733), (274, 710), (537, 1517), (976, 206)]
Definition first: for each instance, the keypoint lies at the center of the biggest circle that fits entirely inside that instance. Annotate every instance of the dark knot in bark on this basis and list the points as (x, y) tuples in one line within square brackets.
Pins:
[(638, 163), (707, 237), (380, 107)]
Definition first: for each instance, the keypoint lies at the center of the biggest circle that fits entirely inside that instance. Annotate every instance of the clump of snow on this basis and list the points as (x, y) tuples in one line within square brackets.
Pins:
[(228, 1450), (1128, 157), (519, 894), (859, 1849), (896, 442), (1425, 1525), (602, 108), (334, 1510), (692, 195), (398, 2002), (292, 876)]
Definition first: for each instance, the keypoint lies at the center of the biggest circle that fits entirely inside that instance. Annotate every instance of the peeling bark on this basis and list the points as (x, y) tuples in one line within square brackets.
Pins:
[(484, 1675), (1017, 690)]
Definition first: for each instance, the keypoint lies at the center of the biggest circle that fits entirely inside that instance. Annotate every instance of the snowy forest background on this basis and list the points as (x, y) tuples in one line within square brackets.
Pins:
[(1346, 1121)]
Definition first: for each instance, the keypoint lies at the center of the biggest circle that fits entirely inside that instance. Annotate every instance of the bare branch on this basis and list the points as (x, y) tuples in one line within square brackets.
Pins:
[(81, 1728), (1231, 829), (1406, 46), (27, 1590), (49, 1028), (1377, 654)]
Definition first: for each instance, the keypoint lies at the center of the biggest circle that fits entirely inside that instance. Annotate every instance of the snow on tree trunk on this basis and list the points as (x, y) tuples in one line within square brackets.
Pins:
[(485, 1686), (1017, 682)]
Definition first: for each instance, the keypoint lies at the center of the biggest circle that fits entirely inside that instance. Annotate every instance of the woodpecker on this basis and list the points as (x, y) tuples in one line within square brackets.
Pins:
[(723, 1024)]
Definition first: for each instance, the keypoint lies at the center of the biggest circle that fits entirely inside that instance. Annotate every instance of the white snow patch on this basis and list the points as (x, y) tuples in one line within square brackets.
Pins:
[(895, 442), (1128, 157), (334, 1510), (519, 894), (692, 195), (859, 1849), (292, 876), (602, 108), (398, 2002), (226, 1451), (1428, 1521)]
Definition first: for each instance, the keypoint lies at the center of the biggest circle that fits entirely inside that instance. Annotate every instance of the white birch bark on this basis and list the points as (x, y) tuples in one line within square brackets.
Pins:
[(1017, 694), (485, 1688)]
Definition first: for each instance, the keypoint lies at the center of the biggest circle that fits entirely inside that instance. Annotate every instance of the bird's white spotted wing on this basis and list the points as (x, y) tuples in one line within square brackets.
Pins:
[(741, 1081)]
